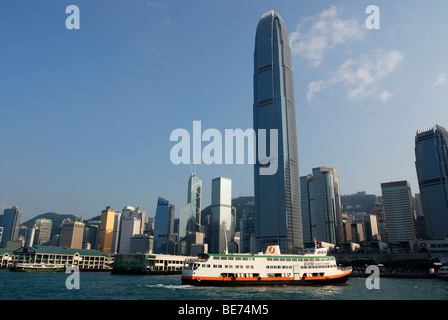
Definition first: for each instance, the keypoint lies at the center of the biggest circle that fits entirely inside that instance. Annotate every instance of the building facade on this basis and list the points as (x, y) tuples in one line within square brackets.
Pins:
[(277, 196), (431, 161), (45, 226), (163, 226), (72, 234), (106, 230), (190, 215), (321, 206), (221, 217), (398, 211), (10, 222)]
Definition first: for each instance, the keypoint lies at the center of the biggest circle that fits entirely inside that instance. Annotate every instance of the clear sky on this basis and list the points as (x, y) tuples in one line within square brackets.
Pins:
[(86, 115)]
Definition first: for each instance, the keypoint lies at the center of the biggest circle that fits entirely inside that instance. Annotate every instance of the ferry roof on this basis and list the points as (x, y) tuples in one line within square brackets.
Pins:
[(242, 255)]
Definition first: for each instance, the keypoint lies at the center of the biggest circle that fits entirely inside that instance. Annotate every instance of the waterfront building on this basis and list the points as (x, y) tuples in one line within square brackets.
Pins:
[(163, 225), (45, 226), (11, 223), (106, 230), (72, 234), (277, 194), (431, 161), (141, 243), (221, 217), (157, 264), (84, 259), (398, 211), (321, 206)]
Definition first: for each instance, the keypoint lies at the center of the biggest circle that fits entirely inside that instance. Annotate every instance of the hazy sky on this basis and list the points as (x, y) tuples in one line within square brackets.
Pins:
[(86, 115)]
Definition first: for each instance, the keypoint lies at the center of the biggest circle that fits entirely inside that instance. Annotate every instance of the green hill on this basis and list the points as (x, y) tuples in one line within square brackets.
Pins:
[(55, 217)]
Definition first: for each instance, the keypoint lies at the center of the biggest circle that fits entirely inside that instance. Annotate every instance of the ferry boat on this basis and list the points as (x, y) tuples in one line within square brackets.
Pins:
[(38, 267), (442, 273), (308, 267)]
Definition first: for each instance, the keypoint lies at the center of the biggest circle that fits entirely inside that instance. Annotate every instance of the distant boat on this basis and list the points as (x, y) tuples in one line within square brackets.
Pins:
[(442, 273), (38, 267)]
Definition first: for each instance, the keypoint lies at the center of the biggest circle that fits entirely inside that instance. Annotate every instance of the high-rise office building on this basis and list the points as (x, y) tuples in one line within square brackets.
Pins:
[(11, 222), (45, 226), (90, 238), (398, 211), (106, 230), (72, 234), (131, 223), (321, 206), (163, 226), (431, 161), (221, 218), (277, 196), (190, 215)]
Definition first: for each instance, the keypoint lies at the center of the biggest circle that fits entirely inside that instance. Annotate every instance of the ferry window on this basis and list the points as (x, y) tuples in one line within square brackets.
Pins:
[(275, 259), (229, 258), (223, 258), (282, 259), (238, 258), (269, 259), (245, 258), (216, 258), (288, 259)]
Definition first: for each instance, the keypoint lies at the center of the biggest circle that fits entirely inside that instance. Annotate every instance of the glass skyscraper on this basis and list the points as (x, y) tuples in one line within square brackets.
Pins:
[(163, 226), (277, 196), (321, 206), (190, 215), (431, 161), (398, 211), (10, 222)]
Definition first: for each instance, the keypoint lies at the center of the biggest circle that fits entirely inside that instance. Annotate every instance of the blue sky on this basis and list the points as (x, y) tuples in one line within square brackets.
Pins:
[(86, 115)]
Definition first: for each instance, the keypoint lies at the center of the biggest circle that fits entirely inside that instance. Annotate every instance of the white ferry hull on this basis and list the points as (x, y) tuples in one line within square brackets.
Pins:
[(259, 281)]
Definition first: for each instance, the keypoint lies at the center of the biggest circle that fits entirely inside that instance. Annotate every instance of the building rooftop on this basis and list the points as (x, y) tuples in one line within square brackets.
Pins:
[(60, 250)]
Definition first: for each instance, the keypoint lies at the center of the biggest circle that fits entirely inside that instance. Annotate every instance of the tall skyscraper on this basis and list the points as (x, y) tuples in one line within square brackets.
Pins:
[(106, 230), (321, 206), (221, 207), (163, 225), (11, 223), (431, 161), (190, 215), (277, 196), (398, 211)]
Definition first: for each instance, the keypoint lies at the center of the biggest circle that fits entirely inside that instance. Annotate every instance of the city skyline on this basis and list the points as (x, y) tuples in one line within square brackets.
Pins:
[(82, 127)]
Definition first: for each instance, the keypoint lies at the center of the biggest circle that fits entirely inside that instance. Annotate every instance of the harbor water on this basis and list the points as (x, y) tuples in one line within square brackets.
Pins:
[(105, 286)]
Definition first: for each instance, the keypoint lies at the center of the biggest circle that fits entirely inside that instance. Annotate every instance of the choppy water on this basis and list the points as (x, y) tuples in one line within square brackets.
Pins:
[(104, 286)]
